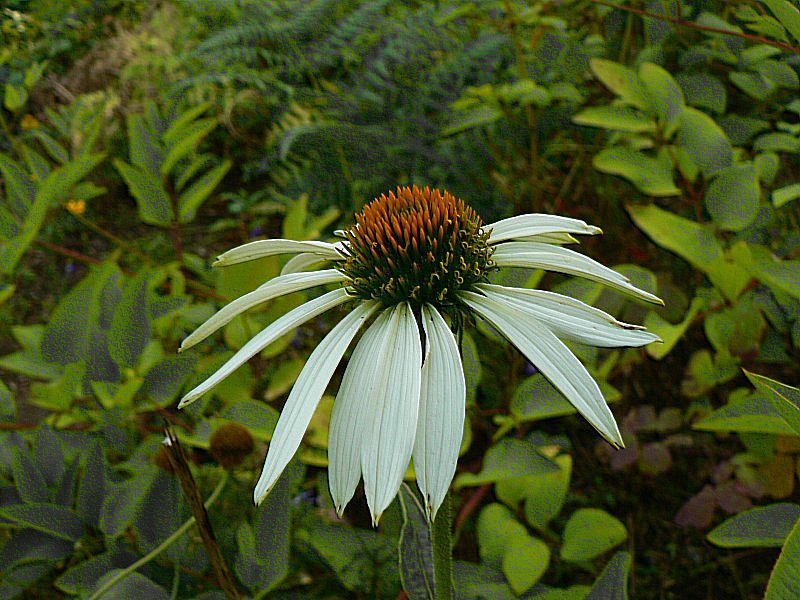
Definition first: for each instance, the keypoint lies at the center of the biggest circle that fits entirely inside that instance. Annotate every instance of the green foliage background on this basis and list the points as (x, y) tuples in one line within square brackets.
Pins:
[(141, 139)]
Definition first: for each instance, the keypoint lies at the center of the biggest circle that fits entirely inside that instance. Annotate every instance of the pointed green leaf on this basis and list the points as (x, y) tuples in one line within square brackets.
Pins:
[(788, 14), (783, 583), (48, 518), (761, 527), (650, 175), (704, 141), (622, 81), (183, 145), (524, 562), (130, 325), (197, 193), (416, 548), (785, 399), (613, 581), (151, 198), (615, 118), (589, 533), (733, 196)]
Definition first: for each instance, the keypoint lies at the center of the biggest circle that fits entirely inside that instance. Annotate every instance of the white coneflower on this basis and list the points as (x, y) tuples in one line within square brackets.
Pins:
[(415, 260)]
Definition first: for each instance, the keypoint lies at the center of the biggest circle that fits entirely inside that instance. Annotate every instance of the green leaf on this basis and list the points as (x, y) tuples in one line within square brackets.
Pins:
[(29, 481), (147, 154), (543, 495), (524, 562), (781, 74), (151, 198), (258, 417), (750, 413), (650, 175), (130, 324), (703, 90), (732, 198), (785, 194), (666, 96), (507, 459), (56, 151), (183, 145), (767, 165), (124, 500), (777, 142), (53, 190), (93, 486), (670, 334), (535, 398), (762, 527), (478, 117), (754, 85), (19, 188), (132, 585), (197, 193), (416, 548), (704, 141), (787, 14), (48, 518), (783, 583), (589, 533), (497, 529), (615, 118), (15, 97), (613, 581), (622, 81), (762, 264), (785, 399)]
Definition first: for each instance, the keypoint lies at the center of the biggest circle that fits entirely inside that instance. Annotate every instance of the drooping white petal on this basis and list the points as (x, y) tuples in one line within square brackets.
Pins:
[(262, 248), (535, 255), (571, 319), (440, 424), (305, 395), (345, 435), (548, 238), (266, 336), (278, 286), (552, 358), (523, 226), (391, 412), (303, 262)]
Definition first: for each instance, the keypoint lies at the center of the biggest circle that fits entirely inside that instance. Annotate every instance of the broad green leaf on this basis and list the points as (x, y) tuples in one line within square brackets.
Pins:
[(751, 413), (787, 14), (20, 189), (785, 194), (48, 518), (93, 486), (781, 274), (497, 529), (15, 97), (589, 533), (670, 334), (777, 142), (781, 74), (783, 583), (124, 500), (258, 417), (754, 85), (615, 118), (151, 198), (416, 548), (507, 459), (8, 409), (652, 176), (785, 399), (130, 324), (80, 579), (524, 562), (761, 527), (543, 495), (28, 480), (53, 190), (732, 198), (197, 193), (622, 81), (703, 90), (164, 380), (692, 242), (767, 165), (666, 97), (478, 117), (613, 581), (704, 141)]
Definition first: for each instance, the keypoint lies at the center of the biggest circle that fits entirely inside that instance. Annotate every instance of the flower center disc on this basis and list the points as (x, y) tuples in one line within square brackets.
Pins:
[(418, 246)]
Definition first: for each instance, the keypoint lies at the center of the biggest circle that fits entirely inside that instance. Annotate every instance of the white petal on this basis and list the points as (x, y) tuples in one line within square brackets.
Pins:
[(303, 262), (266, 336), (535, 255), (345, 435), (440, 424), (305, 395), (391, 411), (262, 248), (548, 238), (278, 286), (523, 226), (571, 319), (552, 358)]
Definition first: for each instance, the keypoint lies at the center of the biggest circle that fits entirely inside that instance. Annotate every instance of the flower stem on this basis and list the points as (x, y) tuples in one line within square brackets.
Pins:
[(123, 573), (442, 551)]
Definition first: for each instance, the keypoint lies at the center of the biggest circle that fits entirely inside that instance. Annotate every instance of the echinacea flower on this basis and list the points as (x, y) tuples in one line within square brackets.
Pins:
[(413, 261)]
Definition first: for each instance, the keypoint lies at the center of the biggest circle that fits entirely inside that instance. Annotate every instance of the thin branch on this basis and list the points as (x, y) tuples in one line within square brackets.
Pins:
[(689, 25)]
